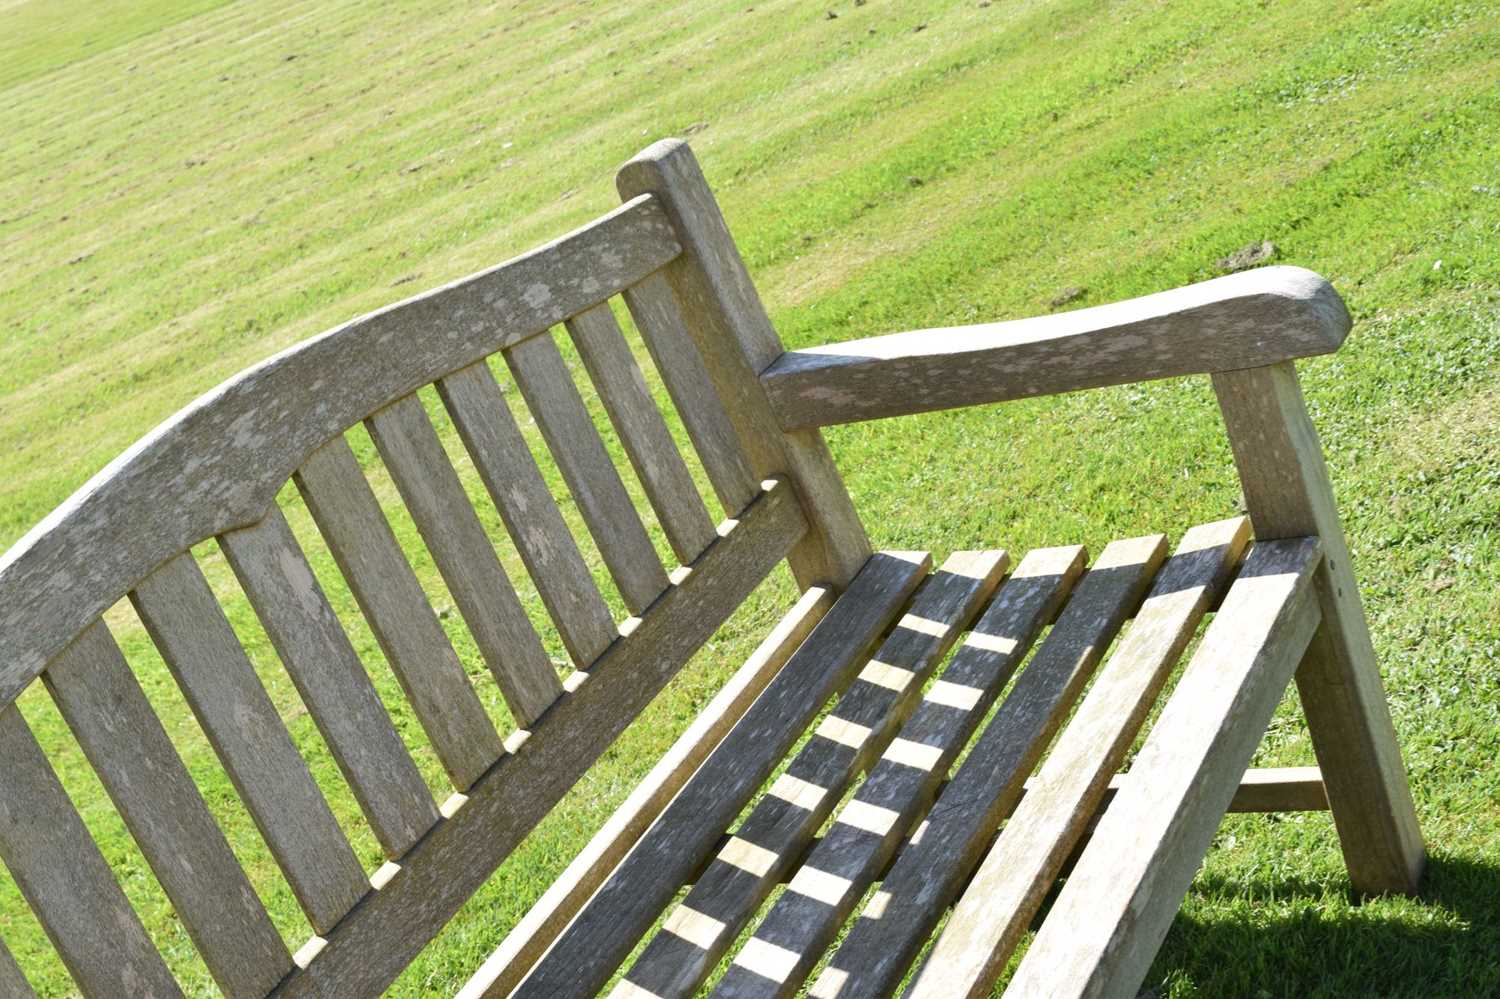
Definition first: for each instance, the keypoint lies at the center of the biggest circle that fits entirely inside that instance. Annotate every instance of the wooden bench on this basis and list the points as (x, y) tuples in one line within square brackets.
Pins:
[(875, 832)]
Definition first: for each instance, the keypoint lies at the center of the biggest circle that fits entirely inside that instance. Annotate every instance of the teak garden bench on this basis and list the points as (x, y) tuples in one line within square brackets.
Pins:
[(870, 874)]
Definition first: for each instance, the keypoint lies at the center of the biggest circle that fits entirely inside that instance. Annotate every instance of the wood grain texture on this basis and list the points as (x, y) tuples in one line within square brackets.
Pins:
[(1253, 318), (657, 316), (928, 874), (217, 464), (604, 931), (375, 942), (542, 375), (13, 984), (1107, 924), (219, 682), (393, 602), (1281, 789), (852, 735), (1288, 495), (109, 715), (648, 443), (735, 337), (526, 942), (65, 879), (510, 475), (331, 680), (854, 852), (1060, 801), (464, 555)]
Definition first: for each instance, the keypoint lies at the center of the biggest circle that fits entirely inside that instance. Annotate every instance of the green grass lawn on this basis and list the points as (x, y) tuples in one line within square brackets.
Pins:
[(189, 187)]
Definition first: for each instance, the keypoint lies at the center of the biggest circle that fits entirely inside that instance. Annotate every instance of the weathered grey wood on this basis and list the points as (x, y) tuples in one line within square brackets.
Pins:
[(204, 655), (735, 337), (394, 604), (65, 880), (465, 557), (603, 933), (526, 942), (1108, 922), (653, 453), (13, 984), (494, 442), (217, 465), (1060, 801), (313, 647), (928, 874), (376, 941), (1289, 495), (542, 375), (901, 784), (729, 891), (127, 747), (681, 367), (1256, 317), (1261, 789), (1281, 789)]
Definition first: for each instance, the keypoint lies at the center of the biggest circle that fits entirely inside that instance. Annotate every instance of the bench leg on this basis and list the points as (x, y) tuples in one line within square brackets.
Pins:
[(1288, 493)]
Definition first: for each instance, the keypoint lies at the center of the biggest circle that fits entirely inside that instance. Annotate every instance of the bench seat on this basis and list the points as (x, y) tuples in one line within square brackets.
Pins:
[(875, 713)]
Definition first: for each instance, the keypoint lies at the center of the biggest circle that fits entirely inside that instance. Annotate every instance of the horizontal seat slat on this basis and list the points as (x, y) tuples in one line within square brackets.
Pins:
[(65, 879), (1110, 918), (603, 933), (377, 940), (511, 477), (331, 680), (855, 731), (465, 557), (928, 874), (652, 451), (404, 623), (903, 780), (526, 942), (542, 374), (109, 715), (217, 465), (1062, 799), (200, 648), (654, 308)]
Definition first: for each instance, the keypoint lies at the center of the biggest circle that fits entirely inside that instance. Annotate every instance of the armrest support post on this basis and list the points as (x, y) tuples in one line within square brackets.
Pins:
[(1288, 494)]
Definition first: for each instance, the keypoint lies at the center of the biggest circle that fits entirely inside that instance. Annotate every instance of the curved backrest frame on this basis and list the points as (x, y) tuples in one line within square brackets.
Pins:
[(218, 464)]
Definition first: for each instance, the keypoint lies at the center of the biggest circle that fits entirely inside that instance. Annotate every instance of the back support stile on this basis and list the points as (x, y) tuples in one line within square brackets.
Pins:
[(724, 314)]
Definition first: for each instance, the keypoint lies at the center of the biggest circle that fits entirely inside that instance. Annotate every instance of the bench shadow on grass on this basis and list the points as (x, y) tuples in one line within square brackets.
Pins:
[(1447, 946)]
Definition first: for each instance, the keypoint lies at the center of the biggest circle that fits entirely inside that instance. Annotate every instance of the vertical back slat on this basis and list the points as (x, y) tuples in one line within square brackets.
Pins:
[(542, 375), (493, 440), (65, 879), (653, 453), (682, 370), (13, 983), (127, 747), (203, 653), (465, 557), (360, 538), (317, 655)]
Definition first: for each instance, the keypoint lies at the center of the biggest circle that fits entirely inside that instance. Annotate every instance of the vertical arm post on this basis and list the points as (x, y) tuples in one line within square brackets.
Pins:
[(731, 329), (1288, 493)]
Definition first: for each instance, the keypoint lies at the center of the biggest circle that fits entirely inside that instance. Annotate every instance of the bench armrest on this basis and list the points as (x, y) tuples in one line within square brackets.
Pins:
[(1245, 320)]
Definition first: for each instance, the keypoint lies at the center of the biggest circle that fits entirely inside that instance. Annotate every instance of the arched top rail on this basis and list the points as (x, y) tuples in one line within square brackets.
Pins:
[(217, 464)]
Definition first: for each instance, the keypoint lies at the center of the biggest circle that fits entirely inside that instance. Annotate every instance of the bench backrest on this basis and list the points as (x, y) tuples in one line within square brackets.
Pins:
[(214, 472)]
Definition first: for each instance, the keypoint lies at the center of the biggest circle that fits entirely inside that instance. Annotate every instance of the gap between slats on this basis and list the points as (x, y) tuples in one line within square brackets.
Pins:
[(726, 895)]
